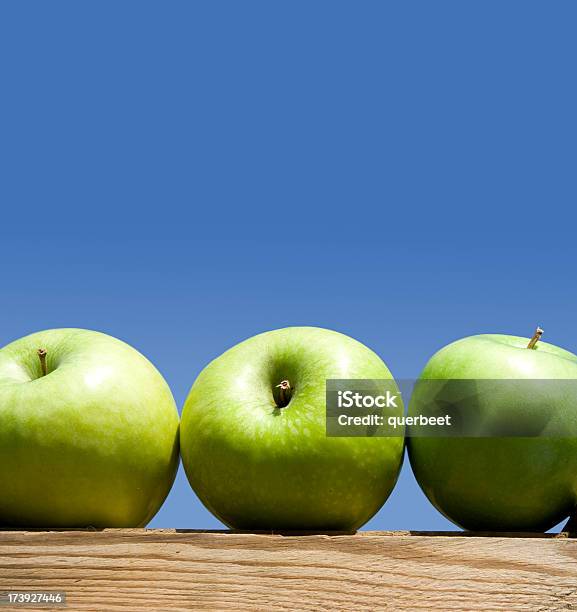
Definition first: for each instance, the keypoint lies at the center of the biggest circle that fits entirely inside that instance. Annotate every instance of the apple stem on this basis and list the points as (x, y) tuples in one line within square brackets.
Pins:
[(536, 337), (42, 356), (284, 394)]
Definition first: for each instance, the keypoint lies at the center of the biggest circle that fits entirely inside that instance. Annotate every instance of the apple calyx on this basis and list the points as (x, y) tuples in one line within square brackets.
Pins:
[(536, 337), (42, 356), (284, 394)]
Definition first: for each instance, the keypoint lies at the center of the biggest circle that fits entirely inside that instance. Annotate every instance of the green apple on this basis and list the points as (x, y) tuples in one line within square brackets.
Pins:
[(498, 480), (88, 432), (253, 435)]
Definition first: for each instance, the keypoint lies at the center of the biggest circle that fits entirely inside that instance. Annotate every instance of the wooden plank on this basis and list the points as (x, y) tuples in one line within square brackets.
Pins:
[(123, 569)]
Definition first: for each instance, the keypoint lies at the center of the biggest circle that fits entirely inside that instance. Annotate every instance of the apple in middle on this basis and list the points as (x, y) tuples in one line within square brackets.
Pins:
[(254, 443)]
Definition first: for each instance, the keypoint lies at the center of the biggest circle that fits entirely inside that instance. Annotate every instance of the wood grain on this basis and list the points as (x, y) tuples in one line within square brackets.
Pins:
[(154, 569)]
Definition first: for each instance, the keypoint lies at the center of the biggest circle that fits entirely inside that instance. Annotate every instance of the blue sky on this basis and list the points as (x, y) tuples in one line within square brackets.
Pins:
[(185, 175)]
